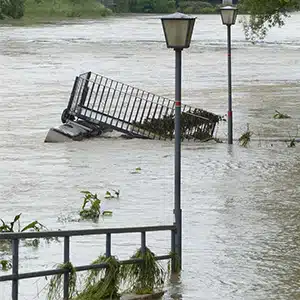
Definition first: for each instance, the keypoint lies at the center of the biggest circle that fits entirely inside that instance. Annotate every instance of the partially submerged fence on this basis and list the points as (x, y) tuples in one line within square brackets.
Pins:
[(132, 111), (16, 237)]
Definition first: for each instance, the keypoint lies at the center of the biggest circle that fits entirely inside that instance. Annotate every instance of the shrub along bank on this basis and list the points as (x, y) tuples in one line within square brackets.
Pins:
[(165, 6), (45, 9)]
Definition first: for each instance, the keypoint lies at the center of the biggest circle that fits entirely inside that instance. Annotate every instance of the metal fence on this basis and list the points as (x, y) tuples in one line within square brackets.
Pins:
[(124, 108), (16, 237)]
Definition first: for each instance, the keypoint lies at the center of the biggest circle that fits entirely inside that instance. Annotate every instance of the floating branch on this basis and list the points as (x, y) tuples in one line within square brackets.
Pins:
[(280, 115), (245, 137)]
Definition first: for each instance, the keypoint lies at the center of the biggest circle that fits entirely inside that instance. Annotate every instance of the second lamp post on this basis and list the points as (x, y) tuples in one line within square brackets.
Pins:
[(178, 30), (228, 15)]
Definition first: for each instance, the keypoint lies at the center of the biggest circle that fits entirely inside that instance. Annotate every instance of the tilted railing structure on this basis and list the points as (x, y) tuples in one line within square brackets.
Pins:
[(112, 104)]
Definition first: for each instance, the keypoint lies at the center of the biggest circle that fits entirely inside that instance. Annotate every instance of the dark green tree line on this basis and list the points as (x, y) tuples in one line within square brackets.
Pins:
[(11, 8), (263, 14)]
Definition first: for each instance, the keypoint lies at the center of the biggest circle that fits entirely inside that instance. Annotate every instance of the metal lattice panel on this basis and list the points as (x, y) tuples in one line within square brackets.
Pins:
[(104, 101)]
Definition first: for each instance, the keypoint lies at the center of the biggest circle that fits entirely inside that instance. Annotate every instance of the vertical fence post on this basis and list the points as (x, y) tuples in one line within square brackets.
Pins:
[(108, 245), (15, 268), (66, 260), (173, 250), (143, 242)]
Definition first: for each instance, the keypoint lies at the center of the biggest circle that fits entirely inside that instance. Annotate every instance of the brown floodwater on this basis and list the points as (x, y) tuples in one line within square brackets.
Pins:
[(240, 205)]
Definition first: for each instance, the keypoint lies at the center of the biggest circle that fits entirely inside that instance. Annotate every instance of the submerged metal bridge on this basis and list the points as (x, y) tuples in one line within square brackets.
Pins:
[(109, 104)]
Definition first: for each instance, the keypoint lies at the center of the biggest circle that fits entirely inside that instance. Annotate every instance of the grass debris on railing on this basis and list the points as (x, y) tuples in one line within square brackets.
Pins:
[(279, 115), (176, 263), (102, 283), (146, 277), (56, 283)]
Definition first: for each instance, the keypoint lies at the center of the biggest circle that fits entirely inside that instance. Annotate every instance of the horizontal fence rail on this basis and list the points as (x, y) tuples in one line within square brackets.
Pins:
[(130, 110), (66, 234)]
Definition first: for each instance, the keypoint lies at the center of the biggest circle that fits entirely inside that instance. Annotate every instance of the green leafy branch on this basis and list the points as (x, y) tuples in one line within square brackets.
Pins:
[(90, 209)]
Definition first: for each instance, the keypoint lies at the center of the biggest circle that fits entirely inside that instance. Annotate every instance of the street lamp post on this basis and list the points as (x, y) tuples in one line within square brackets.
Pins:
[(228, 15), (178, 30)]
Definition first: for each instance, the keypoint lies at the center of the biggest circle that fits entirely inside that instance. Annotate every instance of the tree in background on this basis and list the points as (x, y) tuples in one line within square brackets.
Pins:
[(11, 8), (265, 14)]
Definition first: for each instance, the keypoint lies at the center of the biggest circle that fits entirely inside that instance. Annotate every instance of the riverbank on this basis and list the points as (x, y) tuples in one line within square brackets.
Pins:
[(31, 12), (39, 12)]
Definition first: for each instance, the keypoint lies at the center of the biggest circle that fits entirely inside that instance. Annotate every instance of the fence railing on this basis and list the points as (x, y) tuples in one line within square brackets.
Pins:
[(124, 108), (16, 237)]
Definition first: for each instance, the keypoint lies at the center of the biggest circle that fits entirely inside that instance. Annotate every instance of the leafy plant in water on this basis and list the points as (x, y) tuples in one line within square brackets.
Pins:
[(90, 209), (245, 137), (33, 226), (280, 115), (109, 195), (56, 283), (93, 211), (136, 171), (145, 277), (291, 143), (5, 264), (102, 283), (117, 193)]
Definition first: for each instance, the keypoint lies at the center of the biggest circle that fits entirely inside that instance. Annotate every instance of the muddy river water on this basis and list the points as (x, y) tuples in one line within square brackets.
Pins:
[(241, 210)]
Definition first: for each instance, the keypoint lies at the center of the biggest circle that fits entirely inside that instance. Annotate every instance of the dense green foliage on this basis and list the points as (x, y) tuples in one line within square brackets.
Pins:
[(165, 6), (12, 8), (197, 7), (16, 9), (265, 14), (145, 6)]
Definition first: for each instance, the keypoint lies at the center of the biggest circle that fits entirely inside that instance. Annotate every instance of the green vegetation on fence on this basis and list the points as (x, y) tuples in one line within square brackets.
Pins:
[(146, 277)]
